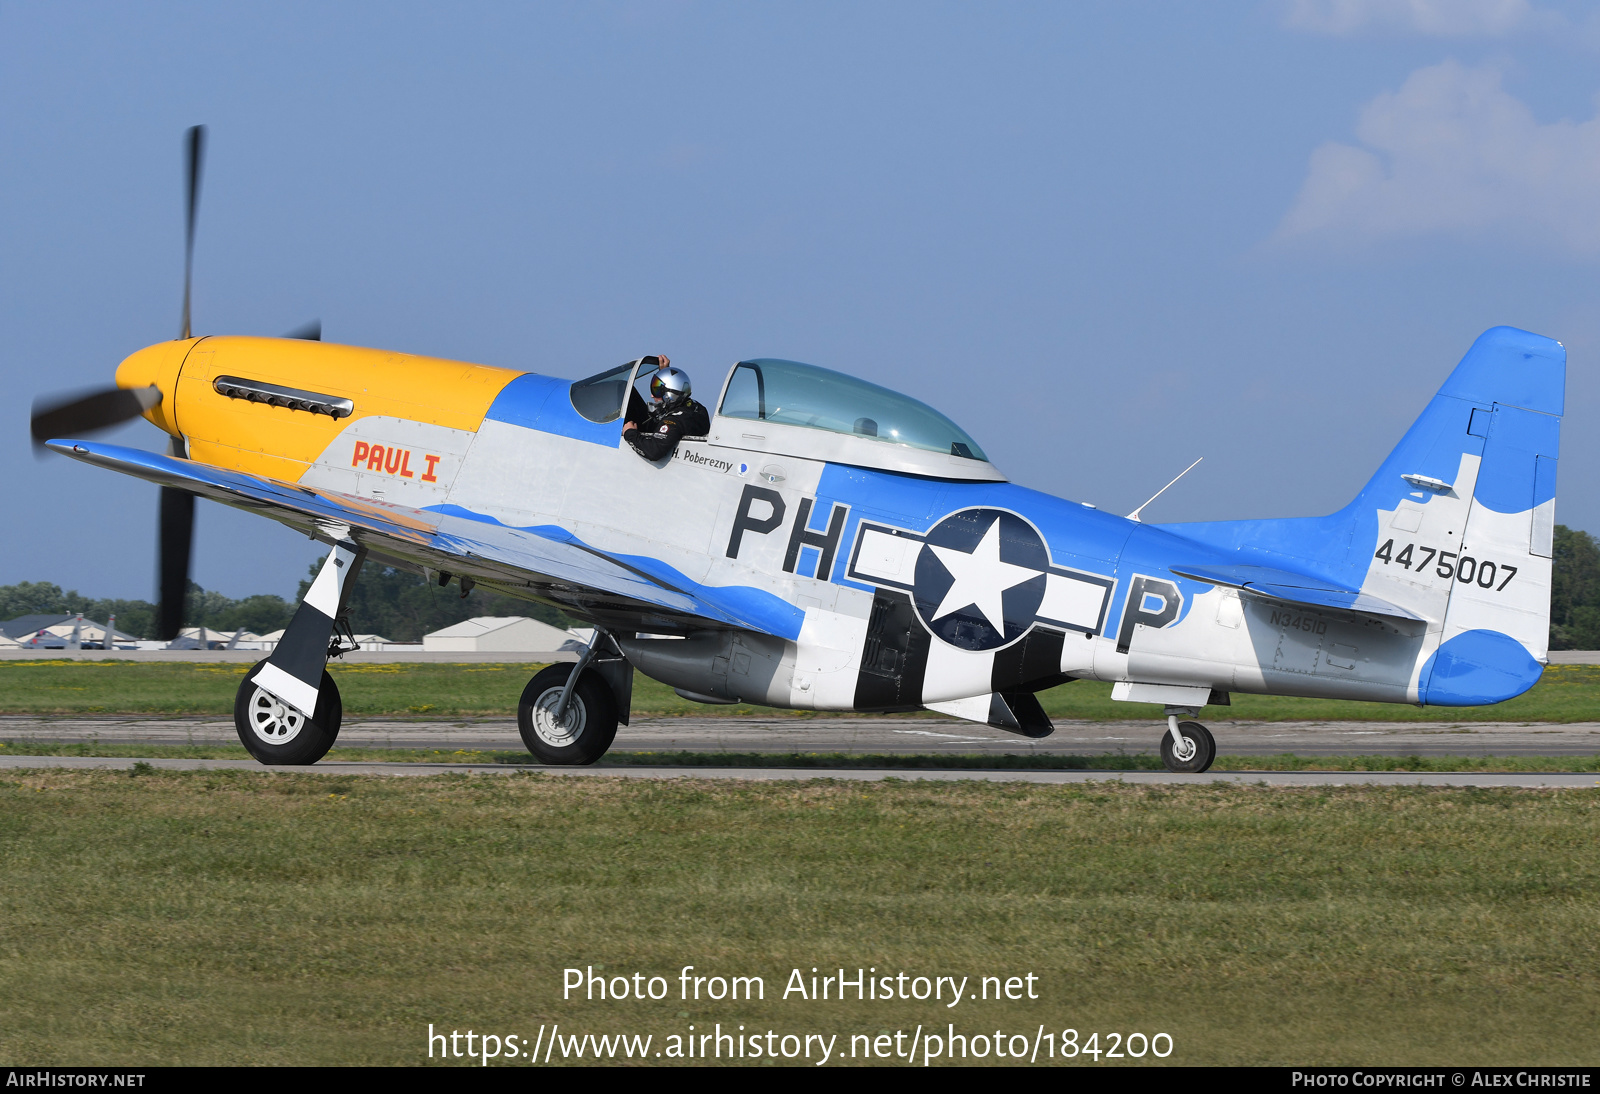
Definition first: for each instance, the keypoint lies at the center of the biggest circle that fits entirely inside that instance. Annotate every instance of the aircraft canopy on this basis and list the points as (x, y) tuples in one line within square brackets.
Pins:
[(791, 393)]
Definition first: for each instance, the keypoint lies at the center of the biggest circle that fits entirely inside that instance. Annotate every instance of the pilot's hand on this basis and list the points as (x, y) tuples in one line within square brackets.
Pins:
[(627, 426)]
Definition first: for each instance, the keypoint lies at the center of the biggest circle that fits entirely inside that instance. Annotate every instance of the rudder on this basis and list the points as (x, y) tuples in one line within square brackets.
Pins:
[(1497, 628)]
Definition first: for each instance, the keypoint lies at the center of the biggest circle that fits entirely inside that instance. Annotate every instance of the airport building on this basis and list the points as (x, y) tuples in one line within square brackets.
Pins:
[(61, 632), (500, 634)]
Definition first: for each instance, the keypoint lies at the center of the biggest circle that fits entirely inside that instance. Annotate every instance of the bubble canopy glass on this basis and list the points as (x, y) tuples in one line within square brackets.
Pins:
[(791, 393)]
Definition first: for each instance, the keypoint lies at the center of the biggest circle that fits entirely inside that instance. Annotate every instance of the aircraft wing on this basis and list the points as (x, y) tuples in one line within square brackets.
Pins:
[(550, 556), (1289, 587)]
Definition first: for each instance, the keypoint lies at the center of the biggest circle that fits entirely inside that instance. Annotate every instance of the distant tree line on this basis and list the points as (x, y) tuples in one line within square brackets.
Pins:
[(399, 605), (1575, 592), (138, 617), (135, 617), (403, 607)]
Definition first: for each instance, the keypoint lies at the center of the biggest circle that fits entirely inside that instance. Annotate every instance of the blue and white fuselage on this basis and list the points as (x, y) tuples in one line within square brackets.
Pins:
[(830, 545), (861, 574)]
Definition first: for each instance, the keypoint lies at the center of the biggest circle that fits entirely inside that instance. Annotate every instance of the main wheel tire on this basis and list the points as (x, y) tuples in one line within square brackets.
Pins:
[(1195, 755), (584, 732), (277, 734)]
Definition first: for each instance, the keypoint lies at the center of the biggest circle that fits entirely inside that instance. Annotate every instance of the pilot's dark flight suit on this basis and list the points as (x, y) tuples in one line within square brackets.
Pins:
[(658, 434)]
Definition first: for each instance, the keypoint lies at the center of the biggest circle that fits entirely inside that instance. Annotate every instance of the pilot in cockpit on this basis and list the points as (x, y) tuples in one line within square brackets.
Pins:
[(654, 432)]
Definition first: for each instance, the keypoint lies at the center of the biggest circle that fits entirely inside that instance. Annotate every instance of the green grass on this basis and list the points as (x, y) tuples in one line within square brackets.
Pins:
[(245, 918), (1566, 693), (1120, 761)]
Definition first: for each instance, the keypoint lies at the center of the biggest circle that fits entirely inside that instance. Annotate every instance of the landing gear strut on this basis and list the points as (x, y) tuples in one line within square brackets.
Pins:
[(1186, 746)]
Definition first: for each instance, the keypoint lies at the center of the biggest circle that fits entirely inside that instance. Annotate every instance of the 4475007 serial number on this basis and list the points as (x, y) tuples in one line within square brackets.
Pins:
[(1449, 564)]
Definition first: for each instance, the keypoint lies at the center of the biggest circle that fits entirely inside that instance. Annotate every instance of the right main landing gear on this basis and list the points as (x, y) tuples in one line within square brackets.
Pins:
[(582, 732), (1187, 746), (277, 734)]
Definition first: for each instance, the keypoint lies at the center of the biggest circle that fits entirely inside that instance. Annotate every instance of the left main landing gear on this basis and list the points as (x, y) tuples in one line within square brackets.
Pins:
[(1187, 746)]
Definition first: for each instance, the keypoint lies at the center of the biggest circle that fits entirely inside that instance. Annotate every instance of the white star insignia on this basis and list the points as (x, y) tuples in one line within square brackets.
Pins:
[(981, 579)]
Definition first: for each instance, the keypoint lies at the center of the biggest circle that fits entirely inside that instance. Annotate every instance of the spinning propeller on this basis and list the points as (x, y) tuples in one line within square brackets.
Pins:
[(101, 409)]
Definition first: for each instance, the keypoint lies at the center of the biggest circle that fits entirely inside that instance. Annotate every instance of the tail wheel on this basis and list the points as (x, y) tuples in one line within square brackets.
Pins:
[(583, 732), (1194, 750), (278, 734)]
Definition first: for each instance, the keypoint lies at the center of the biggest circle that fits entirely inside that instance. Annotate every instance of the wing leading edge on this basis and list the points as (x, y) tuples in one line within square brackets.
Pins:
[(453, 540)]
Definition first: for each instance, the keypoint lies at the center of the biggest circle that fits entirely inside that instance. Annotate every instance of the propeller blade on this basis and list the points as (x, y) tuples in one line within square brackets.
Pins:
[(311, 332), (196, 155), (85, 414), (176, 543), (177, 533)]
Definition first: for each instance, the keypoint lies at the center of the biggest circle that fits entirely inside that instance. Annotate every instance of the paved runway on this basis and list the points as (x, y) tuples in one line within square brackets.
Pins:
[(1525, 780), (879, 735)]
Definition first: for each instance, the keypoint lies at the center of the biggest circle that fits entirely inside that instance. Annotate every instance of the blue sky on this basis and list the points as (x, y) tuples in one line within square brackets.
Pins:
[(1105, 238)]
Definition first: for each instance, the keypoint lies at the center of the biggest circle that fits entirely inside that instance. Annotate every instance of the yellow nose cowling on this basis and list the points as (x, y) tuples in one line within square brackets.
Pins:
[(157, 366)]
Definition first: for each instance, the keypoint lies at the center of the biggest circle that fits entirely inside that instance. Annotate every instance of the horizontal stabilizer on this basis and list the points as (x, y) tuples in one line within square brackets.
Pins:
[(1289, 587)]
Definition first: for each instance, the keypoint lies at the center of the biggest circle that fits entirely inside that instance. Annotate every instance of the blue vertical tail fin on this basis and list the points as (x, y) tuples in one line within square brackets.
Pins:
[(1456, 524)]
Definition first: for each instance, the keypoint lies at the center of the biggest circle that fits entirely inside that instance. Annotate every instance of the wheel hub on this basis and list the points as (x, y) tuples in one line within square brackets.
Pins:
[(558, 734), (272, 720), (1183, 749)]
